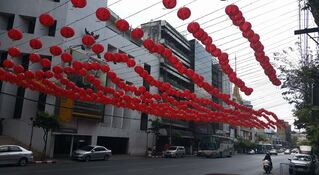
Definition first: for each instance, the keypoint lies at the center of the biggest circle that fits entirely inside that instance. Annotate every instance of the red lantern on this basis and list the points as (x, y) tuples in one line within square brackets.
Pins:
[(77, 65), (184, 13), (231, 10), (199, 33), (18, 69), (48, 74), (35, 43), (98, 48), (57, 69), (67, 32), (55, 50), (34, 57), (193, 27), (88, 40), (169, 4), (148, 44), (137, 33), (14, 52), (46, 20), (15, 34), (8, 63), (79, 3), (66, 57), (130, 63), (122, 25), (46, 63), (103, 14), (245, 27)]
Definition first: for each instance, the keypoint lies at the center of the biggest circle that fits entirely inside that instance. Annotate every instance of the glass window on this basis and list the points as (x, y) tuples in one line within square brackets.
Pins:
[(99, 149), (172, 148), (87, 148), (14, 149), (4, 149)]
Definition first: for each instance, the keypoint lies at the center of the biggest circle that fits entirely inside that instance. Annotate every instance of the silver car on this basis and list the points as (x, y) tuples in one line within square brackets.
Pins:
[(302, 163), (13, 154), (92, 152)]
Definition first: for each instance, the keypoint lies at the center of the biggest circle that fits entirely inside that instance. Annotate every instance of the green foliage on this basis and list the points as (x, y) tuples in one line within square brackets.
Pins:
[(261, 138), (48, 123), (297, 84), (243, 145)]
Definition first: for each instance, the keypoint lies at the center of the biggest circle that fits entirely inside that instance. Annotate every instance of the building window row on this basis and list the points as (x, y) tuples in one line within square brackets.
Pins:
[(25, 23)]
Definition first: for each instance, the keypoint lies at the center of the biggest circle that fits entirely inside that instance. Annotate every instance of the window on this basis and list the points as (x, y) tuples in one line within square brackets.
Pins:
[(145, 83), (144, 118), (111, 48), (42, 102), (3, 56), (21, 91), (52, 29), (99, 149), (55, 0), (4, 149), (14, 149), (27, 24), (6, 21)]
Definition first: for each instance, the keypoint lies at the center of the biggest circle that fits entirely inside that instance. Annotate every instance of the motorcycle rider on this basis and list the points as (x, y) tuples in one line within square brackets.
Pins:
[(267, 157)]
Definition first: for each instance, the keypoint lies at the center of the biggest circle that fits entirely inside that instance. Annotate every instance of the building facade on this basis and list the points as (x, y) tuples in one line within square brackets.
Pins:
[(122, 130), (173, 132)]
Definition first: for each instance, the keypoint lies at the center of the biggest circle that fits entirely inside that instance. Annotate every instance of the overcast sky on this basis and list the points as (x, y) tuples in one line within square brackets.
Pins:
[(274, 20)]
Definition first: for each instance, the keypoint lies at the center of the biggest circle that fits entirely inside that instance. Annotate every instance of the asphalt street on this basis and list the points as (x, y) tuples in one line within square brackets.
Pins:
[(237, 165)]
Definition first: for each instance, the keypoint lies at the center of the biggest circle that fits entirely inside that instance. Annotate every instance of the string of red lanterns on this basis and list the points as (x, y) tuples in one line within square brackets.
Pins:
[(123, 26), (200, 34), (245, 27)]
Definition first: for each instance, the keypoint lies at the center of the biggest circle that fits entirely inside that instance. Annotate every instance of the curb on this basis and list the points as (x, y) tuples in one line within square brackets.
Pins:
[(45, 161)]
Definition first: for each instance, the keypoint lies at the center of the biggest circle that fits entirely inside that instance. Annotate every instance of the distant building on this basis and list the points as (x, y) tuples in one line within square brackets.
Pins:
[(284, 134)]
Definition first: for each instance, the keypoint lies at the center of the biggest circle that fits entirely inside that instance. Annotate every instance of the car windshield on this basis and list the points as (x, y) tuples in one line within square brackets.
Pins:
[(87, 148), (172, 148), (302, 158)]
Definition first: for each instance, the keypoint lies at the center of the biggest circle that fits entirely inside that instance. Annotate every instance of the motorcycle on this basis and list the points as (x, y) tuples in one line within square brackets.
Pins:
[(267, 166)]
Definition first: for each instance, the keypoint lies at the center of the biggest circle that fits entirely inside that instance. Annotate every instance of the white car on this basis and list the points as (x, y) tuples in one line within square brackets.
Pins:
[(251, 152), (273, 152), (287, 151), (175, 151), (14, 154)]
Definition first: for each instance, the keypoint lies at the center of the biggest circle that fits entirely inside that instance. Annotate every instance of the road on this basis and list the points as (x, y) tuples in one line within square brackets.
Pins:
[(237, 165)]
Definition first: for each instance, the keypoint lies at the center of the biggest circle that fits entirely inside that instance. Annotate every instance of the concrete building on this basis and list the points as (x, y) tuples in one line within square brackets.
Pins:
[(174, 132), (207, 66), (122, 130)]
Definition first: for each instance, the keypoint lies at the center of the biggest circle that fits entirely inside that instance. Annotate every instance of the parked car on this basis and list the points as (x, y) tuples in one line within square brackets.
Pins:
[(14, 154), (252, 151), (175, 151), (273, 152), (92, 152), (302, 163), (287, 151)]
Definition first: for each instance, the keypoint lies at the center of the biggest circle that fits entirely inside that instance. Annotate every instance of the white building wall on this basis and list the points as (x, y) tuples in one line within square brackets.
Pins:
[(20, 129), (129, 124)]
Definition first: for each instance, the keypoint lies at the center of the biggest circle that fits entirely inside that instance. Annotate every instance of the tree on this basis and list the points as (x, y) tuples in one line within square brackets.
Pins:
[(297, 83), (48, 123)]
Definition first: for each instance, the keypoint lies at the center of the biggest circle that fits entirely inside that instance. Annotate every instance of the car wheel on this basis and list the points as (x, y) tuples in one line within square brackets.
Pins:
[(106, 157), (87, 158), (23, 161)]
